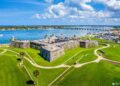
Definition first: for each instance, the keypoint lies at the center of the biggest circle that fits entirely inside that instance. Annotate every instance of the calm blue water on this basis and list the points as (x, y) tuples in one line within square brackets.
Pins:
[(38, 34)]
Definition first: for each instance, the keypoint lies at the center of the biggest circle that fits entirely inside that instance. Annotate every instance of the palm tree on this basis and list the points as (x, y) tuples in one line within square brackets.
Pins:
[(46, 36), (74, 36), (52, 35)]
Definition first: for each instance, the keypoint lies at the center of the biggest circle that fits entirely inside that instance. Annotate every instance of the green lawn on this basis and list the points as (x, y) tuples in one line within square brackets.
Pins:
[(88, 56), (10, 73), (34, 54), (95, 74), (13, 75), (85, 56), (100, 41), (46, 75), (113, 52)]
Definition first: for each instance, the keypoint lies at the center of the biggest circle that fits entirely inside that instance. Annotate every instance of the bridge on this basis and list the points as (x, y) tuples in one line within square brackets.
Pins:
[(88, 27), (72, 27)]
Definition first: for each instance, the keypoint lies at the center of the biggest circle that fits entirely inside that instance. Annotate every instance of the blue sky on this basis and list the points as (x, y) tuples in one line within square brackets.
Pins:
[(59, 12)]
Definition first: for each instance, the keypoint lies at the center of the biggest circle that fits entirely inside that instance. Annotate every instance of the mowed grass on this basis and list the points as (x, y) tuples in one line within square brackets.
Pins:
[(87, 53), (113, 52), (46, 76), (10, 73), (95, 74), (34, 54), (87, 56), (84, 56), (13, 75)]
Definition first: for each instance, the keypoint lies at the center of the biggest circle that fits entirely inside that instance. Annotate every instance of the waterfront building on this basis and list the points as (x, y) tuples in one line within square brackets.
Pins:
[(111, 36), (51, 52)]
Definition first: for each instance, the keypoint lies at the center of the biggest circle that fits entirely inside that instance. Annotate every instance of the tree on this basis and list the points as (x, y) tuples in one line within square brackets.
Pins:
[(46, 36), (19, 59), (30, 82), (21, 55), (36, 74), (52, 35), (74, 36)]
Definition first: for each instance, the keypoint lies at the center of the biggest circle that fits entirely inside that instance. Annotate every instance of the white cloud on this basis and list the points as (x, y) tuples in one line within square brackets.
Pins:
[(81, 4), (78, 9), (86, 7), (58, 10), (112, 4)]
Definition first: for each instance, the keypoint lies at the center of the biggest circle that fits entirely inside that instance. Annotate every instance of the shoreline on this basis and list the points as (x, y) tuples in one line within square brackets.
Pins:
[(4, 45), (90, 35)]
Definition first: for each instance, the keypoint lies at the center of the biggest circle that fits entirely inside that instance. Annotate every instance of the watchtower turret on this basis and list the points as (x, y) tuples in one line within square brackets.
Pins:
[(13, 38)]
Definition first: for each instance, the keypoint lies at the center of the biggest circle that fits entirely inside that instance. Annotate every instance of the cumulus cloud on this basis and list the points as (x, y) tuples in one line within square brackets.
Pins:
[(80, 9), (58, 10), (111, 4)]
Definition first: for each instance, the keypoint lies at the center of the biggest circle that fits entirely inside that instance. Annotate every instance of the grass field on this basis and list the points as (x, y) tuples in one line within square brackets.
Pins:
[(94, 74), (113, 52), (84, 56), (10, 73), (46, 75), (13, 75), (34, 54)]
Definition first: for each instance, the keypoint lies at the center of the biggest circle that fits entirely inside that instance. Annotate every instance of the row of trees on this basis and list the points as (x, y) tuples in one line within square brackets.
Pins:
[(31, 27)]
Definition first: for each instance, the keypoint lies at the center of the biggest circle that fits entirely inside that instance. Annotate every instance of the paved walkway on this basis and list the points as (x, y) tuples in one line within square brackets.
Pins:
[(4, 51), (96, 60), (45, 67), (39, 66)]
